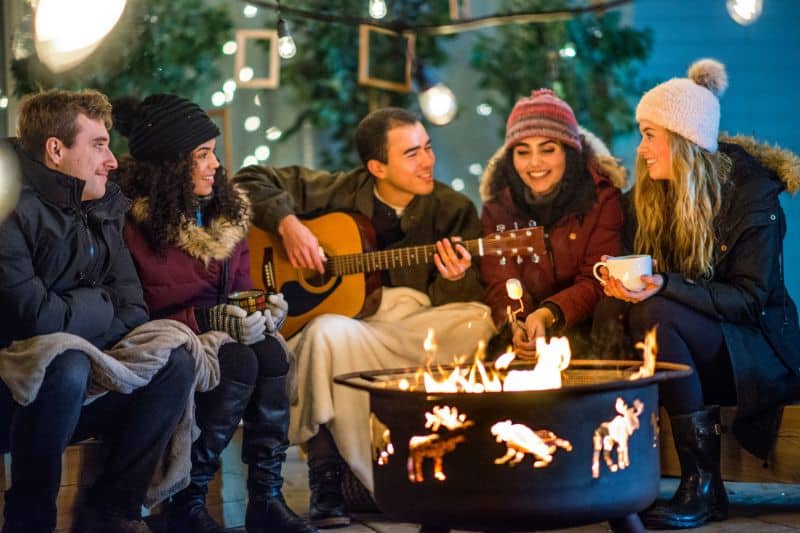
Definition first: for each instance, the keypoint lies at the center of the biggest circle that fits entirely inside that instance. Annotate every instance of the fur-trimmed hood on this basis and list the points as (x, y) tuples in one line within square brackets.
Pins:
[(605, 164), (784, 163), (216, 241)]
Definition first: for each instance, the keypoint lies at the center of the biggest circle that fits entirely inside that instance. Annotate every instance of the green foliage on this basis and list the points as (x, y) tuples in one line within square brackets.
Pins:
[(600, 82), (323, 76), (158, 46)]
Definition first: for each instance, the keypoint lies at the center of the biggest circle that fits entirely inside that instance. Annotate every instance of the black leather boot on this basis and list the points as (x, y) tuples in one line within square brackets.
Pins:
[(701, 495), (218, 414), (325, 471), (266, 428)]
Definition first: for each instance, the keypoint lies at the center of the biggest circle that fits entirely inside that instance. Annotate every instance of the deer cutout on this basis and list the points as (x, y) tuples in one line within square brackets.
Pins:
[(616, 432), (381, 439), (521, 439)]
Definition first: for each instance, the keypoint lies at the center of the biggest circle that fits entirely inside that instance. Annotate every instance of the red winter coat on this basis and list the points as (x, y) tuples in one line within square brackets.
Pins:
[(575, 243), (188, 275)]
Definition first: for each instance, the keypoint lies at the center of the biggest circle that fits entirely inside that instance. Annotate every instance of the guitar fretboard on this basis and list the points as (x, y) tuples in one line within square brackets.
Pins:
[(340, 265)]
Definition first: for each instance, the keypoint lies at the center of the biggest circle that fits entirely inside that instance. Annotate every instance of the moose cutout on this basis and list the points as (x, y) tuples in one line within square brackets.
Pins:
[(615, 433), (521, 440), (435, 446)]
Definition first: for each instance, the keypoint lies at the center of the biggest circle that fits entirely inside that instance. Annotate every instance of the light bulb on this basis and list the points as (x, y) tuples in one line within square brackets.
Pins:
[(377, 9), (438, 104), (68, 32), (286, 47), (745, 12)]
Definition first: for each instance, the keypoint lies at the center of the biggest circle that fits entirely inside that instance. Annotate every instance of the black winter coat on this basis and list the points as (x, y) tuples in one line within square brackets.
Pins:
[(748, 297), (64, 266)]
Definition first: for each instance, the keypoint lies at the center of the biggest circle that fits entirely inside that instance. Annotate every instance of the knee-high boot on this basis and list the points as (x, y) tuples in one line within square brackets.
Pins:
[(701, 495), (266, 428), (218, 414)]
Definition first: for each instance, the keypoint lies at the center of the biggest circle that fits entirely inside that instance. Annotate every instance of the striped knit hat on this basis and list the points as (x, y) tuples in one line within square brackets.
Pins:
[(543, 115), (162, 126)]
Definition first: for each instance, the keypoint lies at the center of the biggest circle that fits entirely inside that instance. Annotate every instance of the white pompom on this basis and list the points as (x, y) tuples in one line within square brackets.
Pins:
[(711, 74)]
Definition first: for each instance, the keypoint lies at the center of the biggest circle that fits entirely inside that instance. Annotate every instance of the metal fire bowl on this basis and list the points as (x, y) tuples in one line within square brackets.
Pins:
[(478, 494)]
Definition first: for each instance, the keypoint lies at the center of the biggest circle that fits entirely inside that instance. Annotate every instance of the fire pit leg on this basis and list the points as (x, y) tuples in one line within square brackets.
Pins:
[(627, 524), (427, 528)]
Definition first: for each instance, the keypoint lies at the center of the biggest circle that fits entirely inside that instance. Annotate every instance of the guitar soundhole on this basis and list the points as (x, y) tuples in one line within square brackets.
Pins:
[(314, 278)]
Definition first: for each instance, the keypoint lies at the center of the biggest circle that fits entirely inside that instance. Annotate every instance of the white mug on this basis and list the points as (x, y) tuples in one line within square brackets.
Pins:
[(628, 269)]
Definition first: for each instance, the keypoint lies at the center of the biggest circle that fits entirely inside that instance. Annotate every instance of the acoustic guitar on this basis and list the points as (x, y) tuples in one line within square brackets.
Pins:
[(351, 281)]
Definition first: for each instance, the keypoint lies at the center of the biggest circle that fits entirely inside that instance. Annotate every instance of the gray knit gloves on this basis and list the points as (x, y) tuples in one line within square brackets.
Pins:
[(233, 320), (276, 311)]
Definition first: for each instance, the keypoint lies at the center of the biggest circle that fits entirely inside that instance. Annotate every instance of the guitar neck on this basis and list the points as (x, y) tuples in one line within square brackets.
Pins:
[(340, 265)]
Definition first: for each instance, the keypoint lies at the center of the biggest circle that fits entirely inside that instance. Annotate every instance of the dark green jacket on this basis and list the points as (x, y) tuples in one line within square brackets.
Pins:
[(278, 192)]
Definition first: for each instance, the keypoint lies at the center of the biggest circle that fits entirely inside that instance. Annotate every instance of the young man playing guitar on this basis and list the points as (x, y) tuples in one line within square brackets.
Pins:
[(396, 191)]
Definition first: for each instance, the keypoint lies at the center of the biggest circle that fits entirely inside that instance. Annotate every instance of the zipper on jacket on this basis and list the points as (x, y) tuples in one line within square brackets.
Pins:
[(91, 269)]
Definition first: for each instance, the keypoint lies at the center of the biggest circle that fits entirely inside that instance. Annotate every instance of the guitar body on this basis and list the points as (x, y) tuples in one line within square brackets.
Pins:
[(351, 283), (308, 292)]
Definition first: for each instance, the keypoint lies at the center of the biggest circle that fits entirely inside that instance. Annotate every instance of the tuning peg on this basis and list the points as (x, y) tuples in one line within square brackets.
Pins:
[(503, 261), (535, 258), (501, 227), (516, 225), (519, 260), (531, 223)]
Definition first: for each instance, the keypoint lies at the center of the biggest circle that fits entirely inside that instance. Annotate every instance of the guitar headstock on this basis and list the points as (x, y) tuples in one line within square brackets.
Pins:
[(517, 244)]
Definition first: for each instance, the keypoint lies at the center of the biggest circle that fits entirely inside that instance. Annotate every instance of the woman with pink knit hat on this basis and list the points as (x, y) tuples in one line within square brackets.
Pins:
[(551, 173), (708, 213)]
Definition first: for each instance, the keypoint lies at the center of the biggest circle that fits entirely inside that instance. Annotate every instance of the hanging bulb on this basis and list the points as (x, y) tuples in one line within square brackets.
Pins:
[(286, 47), (377, 9), (745, 12), (438, 104)]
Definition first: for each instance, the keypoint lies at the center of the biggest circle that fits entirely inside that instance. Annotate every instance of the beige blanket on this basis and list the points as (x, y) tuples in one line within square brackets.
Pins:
[(130, 364), (392, 338)]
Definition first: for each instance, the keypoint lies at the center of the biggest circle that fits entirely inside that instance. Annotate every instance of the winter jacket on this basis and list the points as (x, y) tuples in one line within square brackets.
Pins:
[(64, 266), (747, 294), (575, 242), (197, 272), (278, 192)]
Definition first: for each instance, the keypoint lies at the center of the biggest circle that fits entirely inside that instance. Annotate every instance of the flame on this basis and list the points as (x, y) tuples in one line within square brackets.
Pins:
[(649, 349), (553, 358)]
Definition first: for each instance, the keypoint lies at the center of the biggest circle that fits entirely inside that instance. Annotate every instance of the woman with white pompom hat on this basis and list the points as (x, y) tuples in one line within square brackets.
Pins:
[(708, 213)]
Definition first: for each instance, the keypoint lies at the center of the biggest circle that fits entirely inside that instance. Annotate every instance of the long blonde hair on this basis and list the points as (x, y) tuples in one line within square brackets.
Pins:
[(676, 216)]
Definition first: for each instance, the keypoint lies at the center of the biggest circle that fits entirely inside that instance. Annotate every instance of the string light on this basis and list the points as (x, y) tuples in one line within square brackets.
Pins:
[(262, 152), (252, 123), (273, 134), (436, 100), (457, 184), (68, 32), (484, 109), (286, 47), (229, 48), (246, 74), (250, 11), (745, 12), (377, 9), (218, 99)]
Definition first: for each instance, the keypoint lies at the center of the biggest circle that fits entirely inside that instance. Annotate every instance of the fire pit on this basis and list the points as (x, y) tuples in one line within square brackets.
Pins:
[(522, 460)]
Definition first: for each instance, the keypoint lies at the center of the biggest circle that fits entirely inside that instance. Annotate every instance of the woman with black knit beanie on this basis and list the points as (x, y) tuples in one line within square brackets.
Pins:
[(186, 232)]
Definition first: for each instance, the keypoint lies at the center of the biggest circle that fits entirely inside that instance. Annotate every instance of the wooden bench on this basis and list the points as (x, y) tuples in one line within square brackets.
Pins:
[(81, 466), (783, 465)]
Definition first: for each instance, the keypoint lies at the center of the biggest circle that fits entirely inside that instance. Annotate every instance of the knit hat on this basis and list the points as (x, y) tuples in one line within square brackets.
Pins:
[(162, 126), (688, 107), (543, 115)]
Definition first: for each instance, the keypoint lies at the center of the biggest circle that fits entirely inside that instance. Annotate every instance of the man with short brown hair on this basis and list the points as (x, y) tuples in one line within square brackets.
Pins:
[(64, 268)]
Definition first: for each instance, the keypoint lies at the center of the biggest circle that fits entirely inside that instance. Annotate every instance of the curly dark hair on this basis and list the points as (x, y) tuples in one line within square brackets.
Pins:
[(172, 201)]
